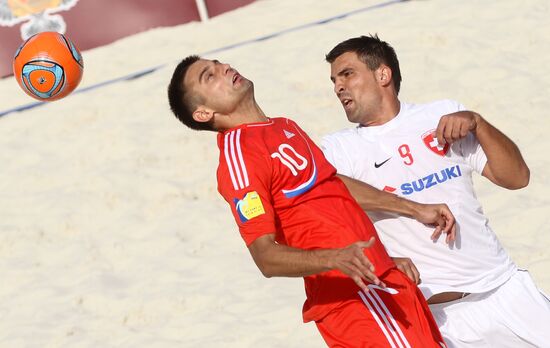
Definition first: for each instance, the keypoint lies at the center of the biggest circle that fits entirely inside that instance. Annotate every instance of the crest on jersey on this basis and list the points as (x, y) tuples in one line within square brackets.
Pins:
[(431, 142), (249, 207)]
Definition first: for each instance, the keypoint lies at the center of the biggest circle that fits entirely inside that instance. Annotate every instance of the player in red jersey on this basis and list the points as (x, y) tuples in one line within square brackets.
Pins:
[(297, 218)]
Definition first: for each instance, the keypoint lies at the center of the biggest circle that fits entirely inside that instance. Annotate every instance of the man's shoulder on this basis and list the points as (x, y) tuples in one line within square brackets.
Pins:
[(428, 113), (341, 134), (443, 105), (342, 140), (244, 143)]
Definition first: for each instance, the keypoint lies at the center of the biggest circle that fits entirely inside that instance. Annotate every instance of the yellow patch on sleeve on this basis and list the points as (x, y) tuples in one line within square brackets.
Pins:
[(250, 206)]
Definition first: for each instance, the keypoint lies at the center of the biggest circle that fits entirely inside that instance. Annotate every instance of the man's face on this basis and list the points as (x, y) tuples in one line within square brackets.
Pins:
[(356, 87), (218, 86)]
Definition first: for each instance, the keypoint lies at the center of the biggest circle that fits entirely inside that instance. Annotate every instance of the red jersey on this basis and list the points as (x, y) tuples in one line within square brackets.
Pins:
[(277, 180)]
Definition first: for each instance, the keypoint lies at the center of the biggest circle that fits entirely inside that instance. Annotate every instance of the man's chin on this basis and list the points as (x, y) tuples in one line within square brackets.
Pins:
[(352, 117)]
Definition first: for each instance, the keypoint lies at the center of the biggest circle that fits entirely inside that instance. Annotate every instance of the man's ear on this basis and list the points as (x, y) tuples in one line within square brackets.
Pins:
[(203, 114), (384, 75)]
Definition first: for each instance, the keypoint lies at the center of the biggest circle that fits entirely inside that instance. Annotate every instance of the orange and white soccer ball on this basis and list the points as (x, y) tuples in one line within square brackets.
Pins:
[(48, 66)]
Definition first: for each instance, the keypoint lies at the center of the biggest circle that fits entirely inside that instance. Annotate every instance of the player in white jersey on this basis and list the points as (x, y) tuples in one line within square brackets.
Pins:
[(427, 153)]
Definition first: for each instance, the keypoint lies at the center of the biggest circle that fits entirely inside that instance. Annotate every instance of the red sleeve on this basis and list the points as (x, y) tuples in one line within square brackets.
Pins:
[(244, 179)]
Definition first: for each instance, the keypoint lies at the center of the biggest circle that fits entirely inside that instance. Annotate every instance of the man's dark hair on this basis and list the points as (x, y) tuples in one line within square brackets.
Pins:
[(181, 103), (372, 51)]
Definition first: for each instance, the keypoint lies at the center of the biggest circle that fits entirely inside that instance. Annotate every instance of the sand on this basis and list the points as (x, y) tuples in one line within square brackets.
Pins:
[(112, 233)]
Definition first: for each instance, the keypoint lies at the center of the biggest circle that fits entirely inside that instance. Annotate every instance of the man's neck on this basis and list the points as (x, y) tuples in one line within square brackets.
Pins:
[(245, 114), (387, 112)]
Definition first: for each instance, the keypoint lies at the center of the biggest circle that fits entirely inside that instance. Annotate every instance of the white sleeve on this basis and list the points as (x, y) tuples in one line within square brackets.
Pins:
[(473, 153), (335, 153), (457, 105), (471, 149)]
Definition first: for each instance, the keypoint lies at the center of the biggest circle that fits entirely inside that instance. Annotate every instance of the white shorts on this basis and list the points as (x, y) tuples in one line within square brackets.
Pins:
[(516, 314)]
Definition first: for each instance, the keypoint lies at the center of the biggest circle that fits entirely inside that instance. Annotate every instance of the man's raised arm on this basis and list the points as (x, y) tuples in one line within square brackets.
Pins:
[(373, 199)]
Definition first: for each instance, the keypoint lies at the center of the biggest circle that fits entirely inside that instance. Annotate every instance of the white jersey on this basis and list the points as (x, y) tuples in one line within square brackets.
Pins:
[(403, 157)]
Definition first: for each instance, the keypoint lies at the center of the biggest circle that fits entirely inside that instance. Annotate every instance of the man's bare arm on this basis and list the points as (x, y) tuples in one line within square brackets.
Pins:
[(373, 199), (505, 165), (276, 260)]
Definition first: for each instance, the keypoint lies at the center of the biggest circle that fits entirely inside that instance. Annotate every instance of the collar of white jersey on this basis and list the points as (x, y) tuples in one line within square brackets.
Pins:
[(386, 127)]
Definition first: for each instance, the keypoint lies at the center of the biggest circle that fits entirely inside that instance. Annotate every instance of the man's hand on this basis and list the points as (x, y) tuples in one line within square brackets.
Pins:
[(438, 215), (352, 261), (278, 260), (455, 126), (405, 265)]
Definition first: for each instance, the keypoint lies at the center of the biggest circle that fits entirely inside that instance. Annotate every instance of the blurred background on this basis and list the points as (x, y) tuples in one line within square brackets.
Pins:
[(94, 23)]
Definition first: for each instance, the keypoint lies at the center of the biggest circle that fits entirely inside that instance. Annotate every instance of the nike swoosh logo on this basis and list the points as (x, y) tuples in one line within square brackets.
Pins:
[(378, 165)]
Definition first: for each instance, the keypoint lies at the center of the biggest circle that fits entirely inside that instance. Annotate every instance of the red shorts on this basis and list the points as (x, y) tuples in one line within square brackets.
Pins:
[(397, 316)]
